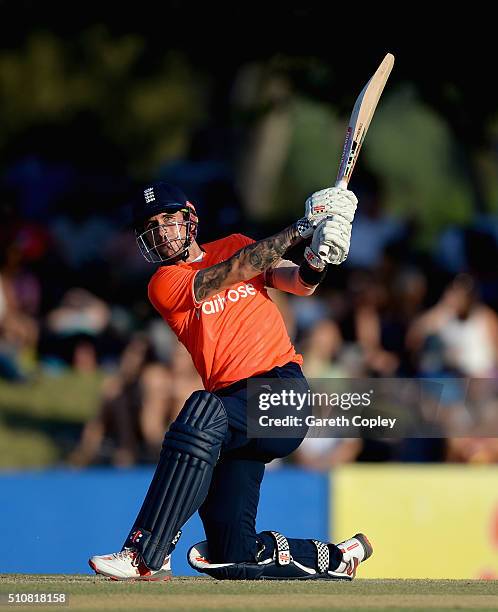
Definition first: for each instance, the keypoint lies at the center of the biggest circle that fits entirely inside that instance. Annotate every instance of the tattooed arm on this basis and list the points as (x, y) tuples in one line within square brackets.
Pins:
[(245, 264)]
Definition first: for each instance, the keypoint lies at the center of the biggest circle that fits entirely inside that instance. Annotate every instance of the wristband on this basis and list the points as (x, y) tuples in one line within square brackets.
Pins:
[(311, 276)]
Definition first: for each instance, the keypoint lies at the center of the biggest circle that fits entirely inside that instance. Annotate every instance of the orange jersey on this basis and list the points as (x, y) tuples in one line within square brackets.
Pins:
[(237, 333)]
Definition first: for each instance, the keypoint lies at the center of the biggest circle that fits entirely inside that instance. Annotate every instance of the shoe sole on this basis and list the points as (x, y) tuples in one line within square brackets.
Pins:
[(326, 576), (367, 547), (164, 577)]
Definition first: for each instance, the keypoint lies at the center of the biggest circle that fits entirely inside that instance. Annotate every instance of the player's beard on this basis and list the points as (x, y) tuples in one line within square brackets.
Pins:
[(171, 249), (158, 245)]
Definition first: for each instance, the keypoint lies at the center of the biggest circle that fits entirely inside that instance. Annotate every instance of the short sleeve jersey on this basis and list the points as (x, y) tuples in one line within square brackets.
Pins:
[(235, 334)]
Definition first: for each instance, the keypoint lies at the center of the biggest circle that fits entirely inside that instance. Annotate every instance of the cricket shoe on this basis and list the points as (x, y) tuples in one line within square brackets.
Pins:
[(354, 551), (128, 565)]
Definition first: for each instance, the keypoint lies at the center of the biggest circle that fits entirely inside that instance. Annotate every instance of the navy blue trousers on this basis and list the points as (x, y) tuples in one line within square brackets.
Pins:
[(229, 511)]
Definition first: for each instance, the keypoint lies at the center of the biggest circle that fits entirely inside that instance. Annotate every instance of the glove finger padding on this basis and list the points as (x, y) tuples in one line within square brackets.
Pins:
[(336, 239), (331, 201), (334, 226), (334, 234), (336, 255), (330, 230)]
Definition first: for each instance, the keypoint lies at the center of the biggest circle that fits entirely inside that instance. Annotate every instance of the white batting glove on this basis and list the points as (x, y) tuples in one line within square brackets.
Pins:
[(330, 202), (333, 233)]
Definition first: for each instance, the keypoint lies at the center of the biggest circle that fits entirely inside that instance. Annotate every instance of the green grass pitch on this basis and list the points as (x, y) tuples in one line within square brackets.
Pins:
[(96, 593)]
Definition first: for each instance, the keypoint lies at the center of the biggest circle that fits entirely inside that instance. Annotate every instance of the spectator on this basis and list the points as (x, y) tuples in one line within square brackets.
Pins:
[(371, 309), (74, 329), (185, 379), (133, 413), (322, 454), (19, 300), (320, 348), (458, 335), (373, 230), (472, 450)]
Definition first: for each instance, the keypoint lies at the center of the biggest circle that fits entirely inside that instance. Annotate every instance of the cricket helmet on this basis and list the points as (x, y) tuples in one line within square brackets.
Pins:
[(153, 242)]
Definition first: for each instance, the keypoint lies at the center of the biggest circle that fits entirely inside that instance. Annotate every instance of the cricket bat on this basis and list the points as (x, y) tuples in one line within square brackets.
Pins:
[(360, 119)]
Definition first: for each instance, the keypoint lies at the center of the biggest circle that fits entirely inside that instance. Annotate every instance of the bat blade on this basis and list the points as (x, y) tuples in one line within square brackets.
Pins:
[(359, 122), (362, 114)]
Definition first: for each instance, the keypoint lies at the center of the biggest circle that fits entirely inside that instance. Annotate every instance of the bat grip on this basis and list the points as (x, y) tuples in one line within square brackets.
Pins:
[(324, 250)]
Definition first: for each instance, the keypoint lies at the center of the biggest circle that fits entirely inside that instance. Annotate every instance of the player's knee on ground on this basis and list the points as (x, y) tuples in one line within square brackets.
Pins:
[(277, 559), (229, 512)]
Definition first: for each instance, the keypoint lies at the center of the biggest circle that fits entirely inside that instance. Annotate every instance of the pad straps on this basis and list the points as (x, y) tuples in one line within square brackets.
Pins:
[(282, 556), (323, 556)]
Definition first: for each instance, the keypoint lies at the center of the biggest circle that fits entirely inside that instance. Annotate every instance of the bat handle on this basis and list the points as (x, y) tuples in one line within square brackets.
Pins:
[(341, 184)]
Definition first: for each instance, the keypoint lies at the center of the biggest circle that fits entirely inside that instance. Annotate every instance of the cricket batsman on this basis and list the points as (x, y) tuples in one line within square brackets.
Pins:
[(214, 298)]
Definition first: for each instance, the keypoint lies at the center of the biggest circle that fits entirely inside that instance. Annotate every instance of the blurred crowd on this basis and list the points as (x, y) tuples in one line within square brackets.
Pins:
[(114, 105), (73, 296)]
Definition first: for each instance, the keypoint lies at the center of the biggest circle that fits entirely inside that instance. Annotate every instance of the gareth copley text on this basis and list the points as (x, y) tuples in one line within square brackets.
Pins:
[(340, 421)]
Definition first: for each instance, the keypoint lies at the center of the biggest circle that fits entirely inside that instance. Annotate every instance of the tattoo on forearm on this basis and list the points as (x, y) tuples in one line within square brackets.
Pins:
[(254, 258), (263, 254), (210, 280)]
